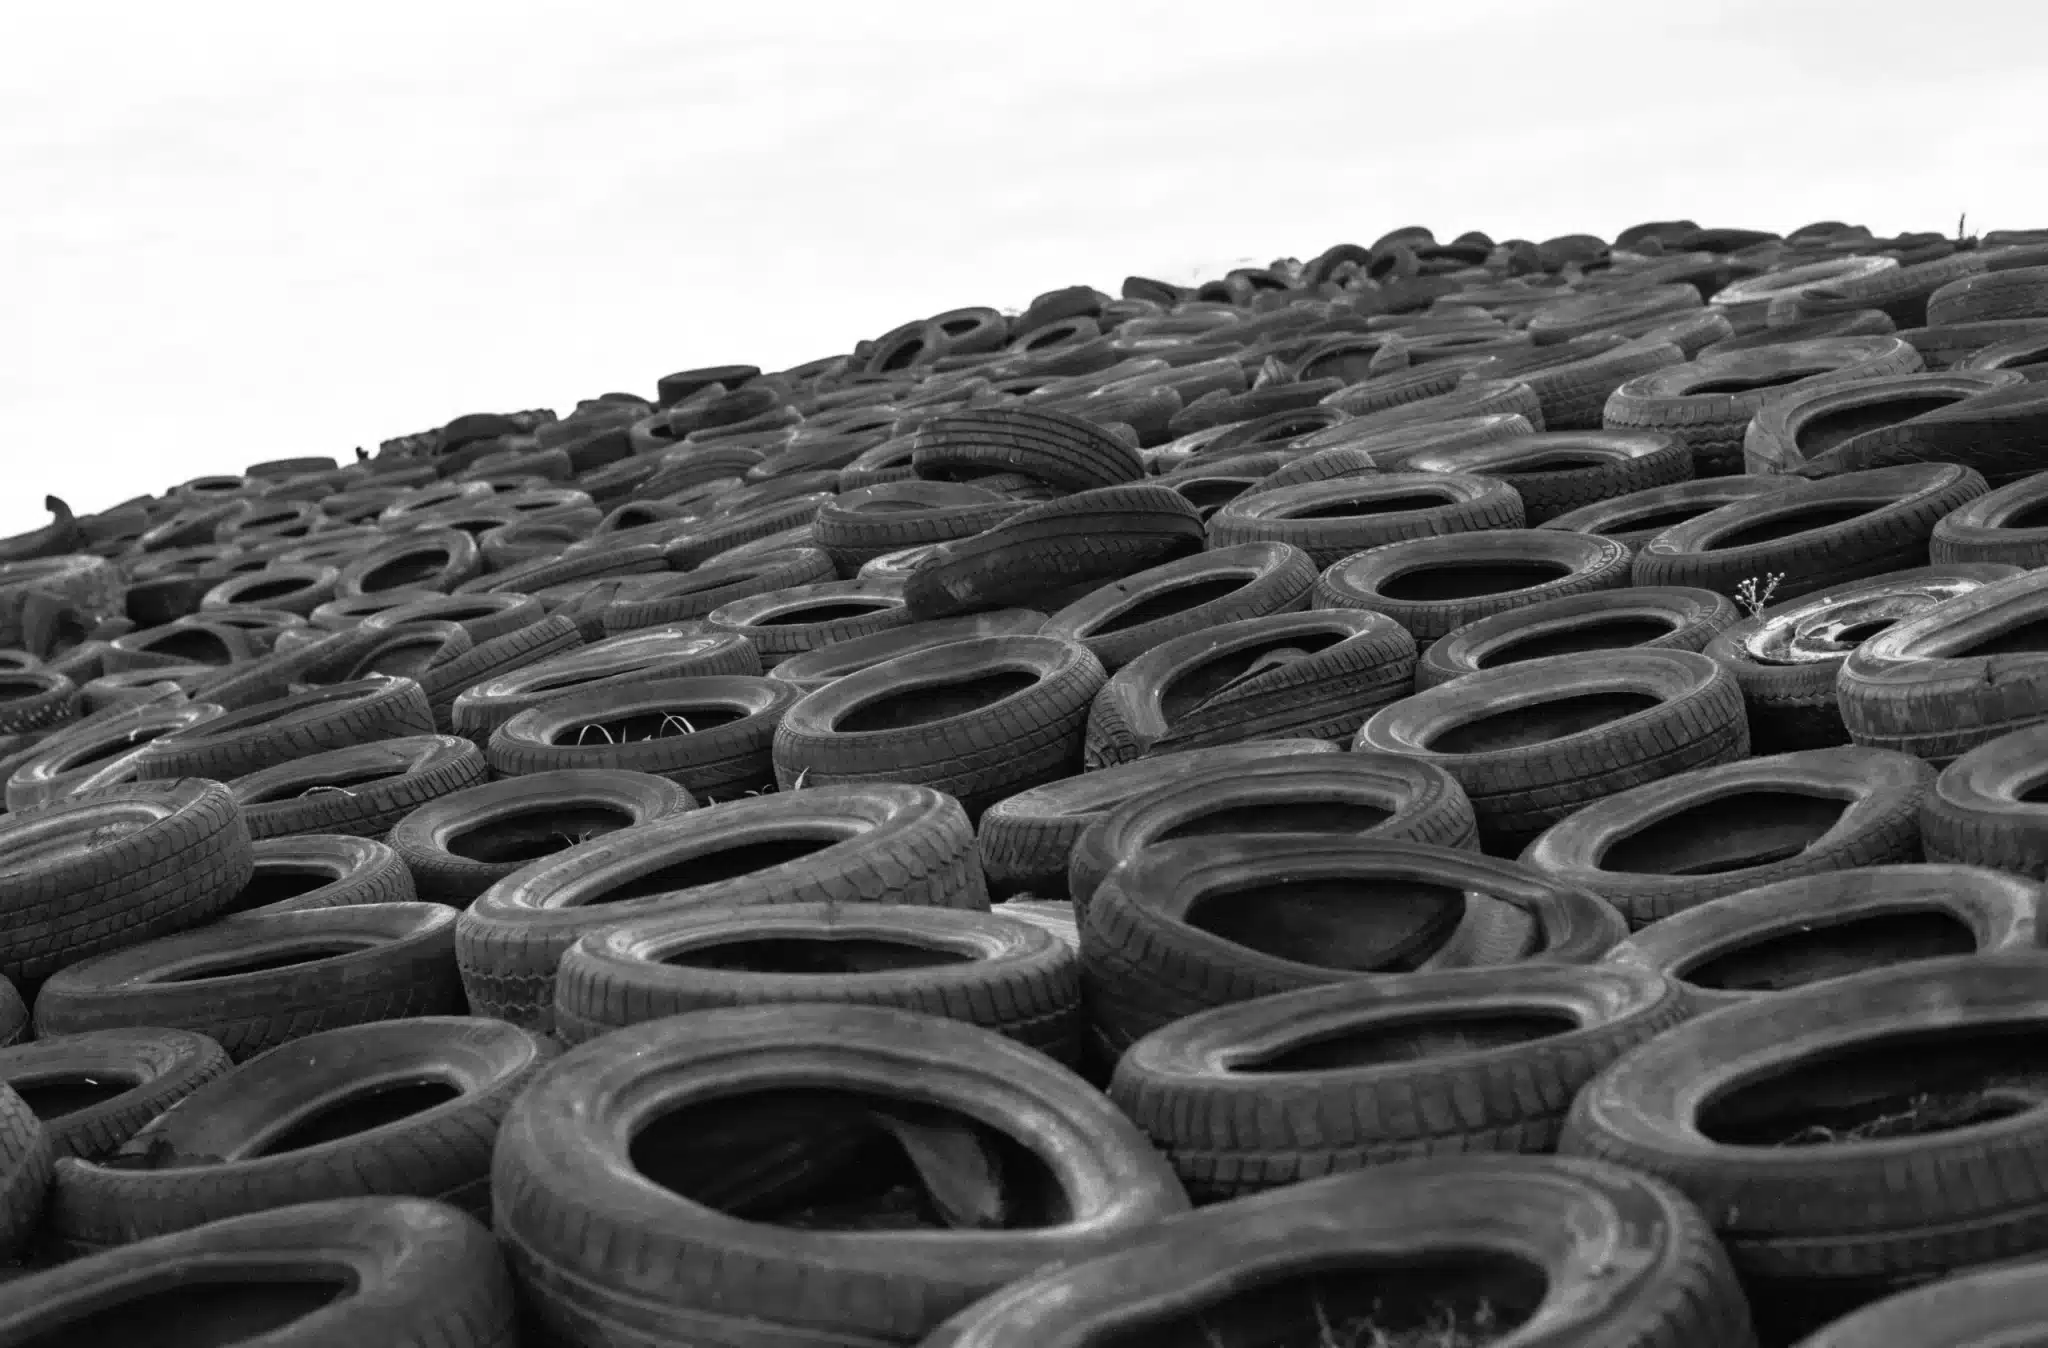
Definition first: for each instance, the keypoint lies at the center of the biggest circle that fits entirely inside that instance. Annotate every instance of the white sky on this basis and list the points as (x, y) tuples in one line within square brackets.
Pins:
[(238, 231)]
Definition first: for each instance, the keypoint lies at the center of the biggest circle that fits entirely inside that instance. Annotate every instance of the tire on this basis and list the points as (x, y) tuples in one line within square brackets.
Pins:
[(1623, 718), (361, 791), (1361, 908), (186, 641), (1852, 1211), (1355, 795), (1949, 346), (485, 617), (1982, 1305), (294, 587), (655, 721), (1559, 471), (1997, 433), (986, 969), (1057, 448), (1687, 400), (25, 1167), (340, 615), (371, 962), (1418, 583), (1853, 323), (1579, 315), (859, 525), (126, 865), (97, 752), (432, 559), (1640, 1265), (1641, 617), (1680, 862), (979, 720), (1991, 295), (1341, 452), (1747, 302), (461, 844), (618, 665), (1572, 394), (606, 561), (562, 1171), (238, 743), (1814, 536), (91, 585), (1756, 943), (1955, 676), (1635, 519), (93, 1091), (1087, 538), (1901, 293), (1814, 427), (192, 1163), (14, 1017), (1470, 1061), (783, 623), (1227, 584), (1980, 810), (1331, 520), (813, 669), (1315, 675), (1026, 840), (652, 601), (321, 870), (732, 527), (1998, 527), (1787, 657), (891, 843), (555, 634)]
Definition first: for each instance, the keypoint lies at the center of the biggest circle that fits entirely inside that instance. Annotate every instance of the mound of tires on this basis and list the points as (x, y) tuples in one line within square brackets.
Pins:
[(1457, 792)]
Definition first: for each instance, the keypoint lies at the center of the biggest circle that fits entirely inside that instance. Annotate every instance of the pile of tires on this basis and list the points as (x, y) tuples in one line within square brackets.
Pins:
[(1459, 792)]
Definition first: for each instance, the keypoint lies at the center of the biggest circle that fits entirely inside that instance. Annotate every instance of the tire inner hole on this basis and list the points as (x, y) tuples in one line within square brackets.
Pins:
[(241, 966), (1211, 677), (1167, 603), (2023, 639), (194, 645), (822, 955), (1784, 959), (53, 1095), (1437, 1034), (1792, 522), (1381, 505), (273, 589), (1282, 816), (200, 1311), (1428, 1299), (1362, 924), (639, 727), (326, 784), (407, 570), (531, 834), (709, 868), (1731, 833), (1895, 1085), (1824, 432), (843, 1160), (358, 1112), (833, 612), (1739, 384), (1598, 635), (934, 701), (1441, 583), (1554, 718), (275, 882)]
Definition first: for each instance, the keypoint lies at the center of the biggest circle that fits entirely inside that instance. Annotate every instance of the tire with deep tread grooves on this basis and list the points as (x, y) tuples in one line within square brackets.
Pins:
[(2000, 526), (1560, 471), (1635, 519), (888, 843), (152, 1068), (340, 716), (1128, 617), (1229, 1133), (1649, 617), (1982, 809), (322, 870), (362, 790), (562, 1175), (987, 969), (357, 963), (727, 756)]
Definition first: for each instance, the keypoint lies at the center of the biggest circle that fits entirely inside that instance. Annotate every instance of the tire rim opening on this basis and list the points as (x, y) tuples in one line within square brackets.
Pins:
[(202, 1310), (275, 883), (1730, 833), (1284, 816), (1213, 677), (1450, 581), (358, 1112), (1801, 521), (821, 955), (1437, 1034), (934, 701), (836, 611), (1599, 635), (1168, 603), (639, 727), (709, 868), (1364, 924), (531, 834), (242, 966), (1784, 959), (1538, 723), (57, 1094)]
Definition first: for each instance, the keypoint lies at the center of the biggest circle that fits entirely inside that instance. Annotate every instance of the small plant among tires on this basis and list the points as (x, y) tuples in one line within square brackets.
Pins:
[(1755, 595)]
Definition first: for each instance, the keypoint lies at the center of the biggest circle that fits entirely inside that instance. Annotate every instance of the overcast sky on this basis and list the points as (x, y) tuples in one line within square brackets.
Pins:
[(238, 231)]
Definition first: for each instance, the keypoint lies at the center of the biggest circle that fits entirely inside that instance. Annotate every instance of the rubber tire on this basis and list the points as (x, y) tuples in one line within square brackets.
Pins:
[(93, 753), (1110, 622), (1027, 840), (1590, 562), (1777, 440), (1693, 619), (1520, 789), (1986, 530), (813, 669), (1144, 965), (562, 1173), (994, 749), (774, 623), (159, 1068), (339, 716), (411, 770), (1621, 518), (655, 600), (191, 1164), (619, 664), (1537, 467), (1899, 508), (1880, 825), (1364, 661), (889, 843), (342, 871), (1003, 974), (1231, 1132), (1465, 503), (1979, 811), (422, 839), (399, 967), (2000, 912)]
